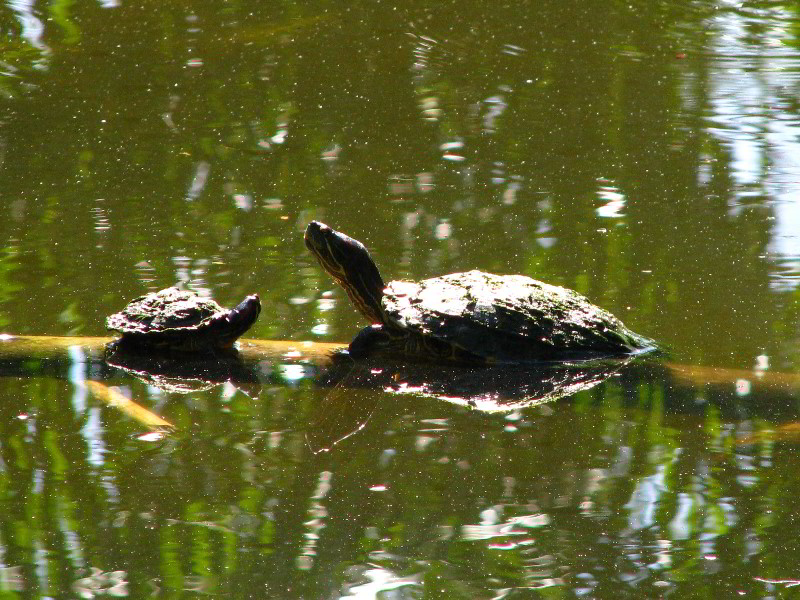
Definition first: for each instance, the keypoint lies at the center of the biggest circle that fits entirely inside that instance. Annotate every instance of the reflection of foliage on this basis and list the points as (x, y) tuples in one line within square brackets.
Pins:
[(9, 263), (18, 59), (632, 476), (61, 11), (788, 328)]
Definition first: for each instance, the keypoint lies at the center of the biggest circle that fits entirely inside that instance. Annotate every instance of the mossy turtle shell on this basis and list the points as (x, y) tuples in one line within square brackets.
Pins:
[(507, 318), (170, 308), (183, 320)]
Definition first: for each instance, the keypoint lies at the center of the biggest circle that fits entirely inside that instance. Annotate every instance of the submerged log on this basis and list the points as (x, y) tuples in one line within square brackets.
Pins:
[(264, 361), (27, 348), (115, 399)]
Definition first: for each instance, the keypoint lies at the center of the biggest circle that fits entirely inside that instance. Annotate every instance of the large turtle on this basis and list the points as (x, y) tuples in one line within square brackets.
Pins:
[(181, 320), (471, 317)]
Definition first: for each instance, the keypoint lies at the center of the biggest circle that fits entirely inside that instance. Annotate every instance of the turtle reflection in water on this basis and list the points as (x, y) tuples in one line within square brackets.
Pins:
[(181, 321), (471, 317), (187, 374)]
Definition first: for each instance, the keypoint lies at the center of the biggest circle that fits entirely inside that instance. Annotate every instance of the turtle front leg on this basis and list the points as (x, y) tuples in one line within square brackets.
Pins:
[(371, 339), (431, 348)]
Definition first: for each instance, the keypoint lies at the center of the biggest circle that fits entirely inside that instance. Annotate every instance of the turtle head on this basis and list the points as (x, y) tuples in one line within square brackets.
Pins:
[(349, 263)]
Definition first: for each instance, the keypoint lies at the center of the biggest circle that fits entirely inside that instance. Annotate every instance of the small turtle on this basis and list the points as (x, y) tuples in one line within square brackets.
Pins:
[(471, 317), (180, 320)]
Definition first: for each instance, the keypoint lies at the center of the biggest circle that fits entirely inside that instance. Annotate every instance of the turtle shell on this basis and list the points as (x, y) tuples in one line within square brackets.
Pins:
[(507, 318), (183, 320)]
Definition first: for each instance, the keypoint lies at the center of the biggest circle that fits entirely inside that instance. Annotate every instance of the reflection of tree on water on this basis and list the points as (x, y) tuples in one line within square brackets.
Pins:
[(617, 484), (609, 482)]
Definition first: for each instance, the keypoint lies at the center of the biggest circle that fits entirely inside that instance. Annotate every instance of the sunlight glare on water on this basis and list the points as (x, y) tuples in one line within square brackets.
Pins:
[(755, 117)]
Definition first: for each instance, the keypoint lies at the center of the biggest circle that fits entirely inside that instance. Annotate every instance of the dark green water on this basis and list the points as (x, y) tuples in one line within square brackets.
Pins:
[(645, 154)]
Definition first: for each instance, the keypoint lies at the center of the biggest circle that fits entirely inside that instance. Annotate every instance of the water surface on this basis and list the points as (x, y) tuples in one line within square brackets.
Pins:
[(643, 154)]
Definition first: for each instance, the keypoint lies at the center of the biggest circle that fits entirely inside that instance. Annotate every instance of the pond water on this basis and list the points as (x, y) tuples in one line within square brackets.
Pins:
[(645, 154)]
